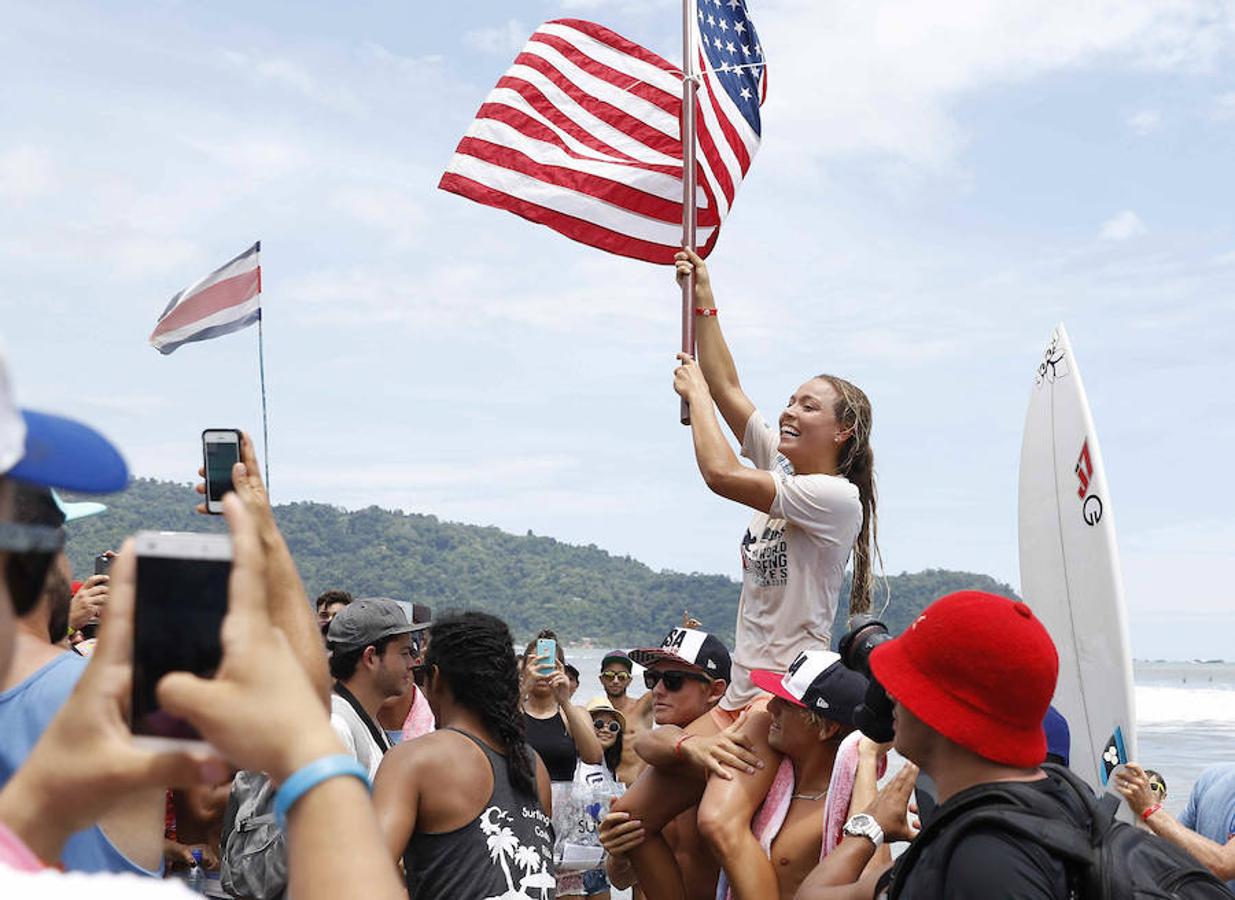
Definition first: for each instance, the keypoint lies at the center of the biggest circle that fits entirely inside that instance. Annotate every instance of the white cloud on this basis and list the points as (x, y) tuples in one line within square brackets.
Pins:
[(883, 78), (290, 75), (1225, 259), (504, 40), (390, 211), (1122, 226), (1224, 106), (24, 173), (1145, 121)]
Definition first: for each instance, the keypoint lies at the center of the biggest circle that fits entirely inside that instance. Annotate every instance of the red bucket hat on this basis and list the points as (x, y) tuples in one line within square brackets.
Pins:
[(980, 670)]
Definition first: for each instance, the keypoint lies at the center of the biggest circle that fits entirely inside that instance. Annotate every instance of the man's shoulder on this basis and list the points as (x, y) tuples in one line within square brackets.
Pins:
[(1219, 777), (991, 864), (53, 678)]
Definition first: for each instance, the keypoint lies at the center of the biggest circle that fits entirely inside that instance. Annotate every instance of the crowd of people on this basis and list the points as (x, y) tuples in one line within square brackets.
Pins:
[(367, 747)]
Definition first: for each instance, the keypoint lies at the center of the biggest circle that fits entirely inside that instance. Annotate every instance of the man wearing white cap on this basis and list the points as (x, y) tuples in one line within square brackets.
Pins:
[(53, 451), (812, 711), (686, 676)]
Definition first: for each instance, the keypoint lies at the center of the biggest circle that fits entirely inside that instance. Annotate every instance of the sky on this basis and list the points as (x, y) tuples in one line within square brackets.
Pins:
[(939, 185)]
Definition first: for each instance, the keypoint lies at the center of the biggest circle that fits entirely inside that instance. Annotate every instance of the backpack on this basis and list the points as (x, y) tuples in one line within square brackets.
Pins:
[(1108, 860), (253, 851)]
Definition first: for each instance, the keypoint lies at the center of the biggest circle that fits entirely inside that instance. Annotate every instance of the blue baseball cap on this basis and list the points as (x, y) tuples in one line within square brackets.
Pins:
[(64, 453), (1058, 736)]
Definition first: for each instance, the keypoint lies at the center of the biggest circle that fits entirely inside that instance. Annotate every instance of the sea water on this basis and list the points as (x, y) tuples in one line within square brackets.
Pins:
[(1185, 715)]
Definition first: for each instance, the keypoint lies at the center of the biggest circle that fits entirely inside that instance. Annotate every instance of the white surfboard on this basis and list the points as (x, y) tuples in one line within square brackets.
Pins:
[(1070, 566)]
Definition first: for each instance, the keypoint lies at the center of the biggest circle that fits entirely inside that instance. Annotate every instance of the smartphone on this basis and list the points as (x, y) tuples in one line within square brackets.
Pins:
[(181, 601), (221, 449), (546, 648), (102, 566)]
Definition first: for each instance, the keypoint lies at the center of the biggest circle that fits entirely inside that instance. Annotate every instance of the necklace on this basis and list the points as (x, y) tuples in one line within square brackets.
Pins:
[(810, 797)]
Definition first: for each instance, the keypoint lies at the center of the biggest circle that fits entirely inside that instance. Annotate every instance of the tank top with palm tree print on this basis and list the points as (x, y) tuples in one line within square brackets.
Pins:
[(505, 853)]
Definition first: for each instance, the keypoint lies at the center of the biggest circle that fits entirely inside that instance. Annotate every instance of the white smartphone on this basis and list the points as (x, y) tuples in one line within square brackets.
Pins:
[(221, 450), (181, 601)]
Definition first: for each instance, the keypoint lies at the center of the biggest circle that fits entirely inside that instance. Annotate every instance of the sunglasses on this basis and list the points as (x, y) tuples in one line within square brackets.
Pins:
[(602, 725), (615, 677), (673, 679), (1157, 787)]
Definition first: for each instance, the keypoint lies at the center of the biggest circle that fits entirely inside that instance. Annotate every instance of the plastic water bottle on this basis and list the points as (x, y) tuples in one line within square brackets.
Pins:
[(196, 879)]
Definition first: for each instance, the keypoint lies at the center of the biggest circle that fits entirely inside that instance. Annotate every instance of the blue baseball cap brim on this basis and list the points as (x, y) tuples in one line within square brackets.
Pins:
[(64, 453)]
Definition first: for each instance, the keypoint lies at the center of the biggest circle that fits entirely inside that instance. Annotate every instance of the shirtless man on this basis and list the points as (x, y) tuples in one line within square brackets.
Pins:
[(812, 713), (686, 677), (615, 674)]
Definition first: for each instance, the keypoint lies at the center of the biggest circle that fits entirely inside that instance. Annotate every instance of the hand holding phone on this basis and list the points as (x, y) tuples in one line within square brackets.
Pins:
[(181, 601), (221, 452), (546, 657)]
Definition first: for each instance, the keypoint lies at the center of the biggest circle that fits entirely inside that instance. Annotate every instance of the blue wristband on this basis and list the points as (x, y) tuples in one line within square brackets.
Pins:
[(308, 777)]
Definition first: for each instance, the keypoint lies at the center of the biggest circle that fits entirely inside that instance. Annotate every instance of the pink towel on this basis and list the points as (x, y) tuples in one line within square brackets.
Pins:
[(840, 791), (419, 719), (771, 814), (16, 855)]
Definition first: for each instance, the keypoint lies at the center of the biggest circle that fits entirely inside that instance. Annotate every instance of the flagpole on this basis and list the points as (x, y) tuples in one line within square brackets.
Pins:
[(689, 174), (261, 368), (261, 372)]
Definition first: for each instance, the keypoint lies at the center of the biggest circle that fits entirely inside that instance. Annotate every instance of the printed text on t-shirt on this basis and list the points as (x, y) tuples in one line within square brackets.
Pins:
[(765, 557)]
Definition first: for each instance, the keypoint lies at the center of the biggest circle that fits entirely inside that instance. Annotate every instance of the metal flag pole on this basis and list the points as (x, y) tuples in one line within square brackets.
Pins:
[(261, 369), (690, 87)]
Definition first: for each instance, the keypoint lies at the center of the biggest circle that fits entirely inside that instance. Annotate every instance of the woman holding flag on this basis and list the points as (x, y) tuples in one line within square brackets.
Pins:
[(812, 489)]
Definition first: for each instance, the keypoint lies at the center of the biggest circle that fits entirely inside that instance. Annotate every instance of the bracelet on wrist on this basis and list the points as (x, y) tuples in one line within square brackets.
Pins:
[(677, 748), (309, 776), (1150, 811), (707, 312)]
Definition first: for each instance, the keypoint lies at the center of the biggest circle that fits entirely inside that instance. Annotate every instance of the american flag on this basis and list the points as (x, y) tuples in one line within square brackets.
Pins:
[(226, 300), (583, 134)]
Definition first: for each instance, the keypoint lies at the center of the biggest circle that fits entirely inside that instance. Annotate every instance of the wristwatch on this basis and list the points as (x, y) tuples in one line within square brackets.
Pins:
[(864, 825)]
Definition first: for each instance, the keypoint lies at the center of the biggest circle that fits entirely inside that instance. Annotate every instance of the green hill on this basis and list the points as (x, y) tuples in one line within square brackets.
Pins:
[(533, 582)]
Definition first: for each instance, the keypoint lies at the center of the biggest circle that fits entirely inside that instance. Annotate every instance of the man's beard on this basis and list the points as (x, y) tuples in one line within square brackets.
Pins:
[(59, 592)]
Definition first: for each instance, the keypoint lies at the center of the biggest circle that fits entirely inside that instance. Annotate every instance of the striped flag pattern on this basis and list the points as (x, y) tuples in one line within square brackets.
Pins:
[(226, 300), (583, 134)]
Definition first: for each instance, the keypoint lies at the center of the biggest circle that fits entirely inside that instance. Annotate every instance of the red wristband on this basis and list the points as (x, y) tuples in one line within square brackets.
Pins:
[(706, 311), (677, 748), (1150, 811)]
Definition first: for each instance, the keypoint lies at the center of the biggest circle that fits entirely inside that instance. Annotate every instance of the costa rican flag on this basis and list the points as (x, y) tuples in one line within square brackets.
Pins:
[(226, 300), (584, 134)]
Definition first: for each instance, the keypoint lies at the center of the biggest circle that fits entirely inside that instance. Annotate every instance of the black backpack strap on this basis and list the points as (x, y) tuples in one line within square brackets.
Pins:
[(383, 742)]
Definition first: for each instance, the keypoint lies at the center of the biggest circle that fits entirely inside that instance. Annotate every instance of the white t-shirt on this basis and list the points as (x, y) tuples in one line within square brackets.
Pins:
[(355, 734), (793, 563)]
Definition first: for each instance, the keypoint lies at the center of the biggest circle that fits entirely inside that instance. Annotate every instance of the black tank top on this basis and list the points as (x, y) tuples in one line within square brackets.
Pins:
[(505, 851), (553, 742)]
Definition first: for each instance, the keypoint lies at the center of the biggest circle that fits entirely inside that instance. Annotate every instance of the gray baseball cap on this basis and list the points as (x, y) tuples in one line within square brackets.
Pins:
[(367, 621)]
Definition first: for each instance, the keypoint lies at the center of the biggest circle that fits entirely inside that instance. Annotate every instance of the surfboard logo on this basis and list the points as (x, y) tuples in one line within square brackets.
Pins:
[(1113, 755), (1091, 505), (1054, 363)]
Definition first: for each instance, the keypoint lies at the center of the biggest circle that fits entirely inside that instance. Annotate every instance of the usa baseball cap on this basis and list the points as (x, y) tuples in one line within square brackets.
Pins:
[(696, 649), (817, 680), (367, 621), (53, 451)]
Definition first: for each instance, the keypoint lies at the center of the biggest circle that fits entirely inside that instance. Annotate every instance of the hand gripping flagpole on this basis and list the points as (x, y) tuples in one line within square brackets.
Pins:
[(261, 370), (690, 87)]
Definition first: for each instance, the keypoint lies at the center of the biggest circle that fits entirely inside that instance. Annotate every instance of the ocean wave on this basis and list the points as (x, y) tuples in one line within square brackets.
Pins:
[(1179, 704)]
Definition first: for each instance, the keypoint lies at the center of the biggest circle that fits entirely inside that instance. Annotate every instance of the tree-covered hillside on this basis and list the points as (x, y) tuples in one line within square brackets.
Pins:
[(533, 582)]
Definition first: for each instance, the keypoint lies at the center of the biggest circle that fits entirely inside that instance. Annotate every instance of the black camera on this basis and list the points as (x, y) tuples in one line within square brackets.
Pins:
[(874, 716)]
